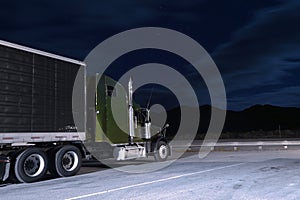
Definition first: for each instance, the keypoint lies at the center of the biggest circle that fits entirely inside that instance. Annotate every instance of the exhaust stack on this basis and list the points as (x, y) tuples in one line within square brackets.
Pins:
[(130, 111)]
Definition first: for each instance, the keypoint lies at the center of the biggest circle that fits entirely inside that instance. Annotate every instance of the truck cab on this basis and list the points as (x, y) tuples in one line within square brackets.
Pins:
[(121, 125)]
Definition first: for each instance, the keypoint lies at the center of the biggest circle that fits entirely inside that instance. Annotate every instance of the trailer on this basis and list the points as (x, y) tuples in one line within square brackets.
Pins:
[(43, 129)]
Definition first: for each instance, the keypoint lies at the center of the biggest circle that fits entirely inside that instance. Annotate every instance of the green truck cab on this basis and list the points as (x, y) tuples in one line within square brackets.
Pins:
[(119, 127)]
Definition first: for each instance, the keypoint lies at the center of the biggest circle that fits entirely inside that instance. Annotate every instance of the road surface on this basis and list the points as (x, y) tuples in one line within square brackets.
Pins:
[(221, 175)]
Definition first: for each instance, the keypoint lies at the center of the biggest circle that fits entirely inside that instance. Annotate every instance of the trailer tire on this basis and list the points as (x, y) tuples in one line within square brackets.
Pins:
[(51, 158), (67, 161), (30, 165), (162, 151)]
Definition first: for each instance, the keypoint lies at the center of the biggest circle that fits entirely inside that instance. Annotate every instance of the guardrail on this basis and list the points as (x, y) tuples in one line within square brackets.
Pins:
[(242, 145)]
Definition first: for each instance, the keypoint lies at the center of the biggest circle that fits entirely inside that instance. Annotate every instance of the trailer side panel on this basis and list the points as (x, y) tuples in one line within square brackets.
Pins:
[(35, 92)]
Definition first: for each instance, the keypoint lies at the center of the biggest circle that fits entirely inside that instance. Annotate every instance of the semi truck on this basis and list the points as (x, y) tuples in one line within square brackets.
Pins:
[(49, 126)]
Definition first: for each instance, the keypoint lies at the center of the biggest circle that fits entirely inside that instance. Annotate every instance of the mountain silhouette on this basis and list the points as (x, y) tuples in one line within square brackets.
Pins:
[(263, 118)]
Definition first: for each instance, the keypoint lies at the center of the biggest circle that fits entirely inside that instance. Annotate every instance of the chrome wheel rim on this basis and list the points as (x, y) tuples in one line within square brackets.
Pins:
[(34, 165), (70, 161), (163, 151)]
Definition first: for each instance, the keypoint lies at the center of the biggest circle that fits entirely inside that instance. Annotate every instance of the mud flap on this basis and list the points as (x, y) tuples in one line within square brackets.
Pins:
[(4, 167)]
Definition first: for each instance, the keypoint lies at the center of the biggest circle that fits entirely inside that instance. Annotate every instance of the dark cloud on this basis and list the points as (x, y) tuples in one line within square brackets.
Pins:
[(254, 43), (284, 96), (263, 53), (53, 24)]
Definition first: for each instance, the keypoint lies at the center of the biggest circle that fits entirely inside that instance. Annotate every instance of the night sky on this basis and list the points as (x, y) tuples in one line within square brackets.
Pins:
[(255, 43)]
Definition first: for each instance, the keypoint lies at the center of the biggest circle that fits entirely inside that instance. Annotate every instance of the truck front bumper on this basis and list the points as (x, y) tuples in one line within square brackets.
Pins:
[(4, 167)]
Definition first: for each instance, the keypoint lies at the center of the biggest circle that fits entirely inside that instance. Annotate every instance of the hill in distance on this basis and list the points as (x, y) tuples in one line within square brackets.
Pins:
[(262, 118)]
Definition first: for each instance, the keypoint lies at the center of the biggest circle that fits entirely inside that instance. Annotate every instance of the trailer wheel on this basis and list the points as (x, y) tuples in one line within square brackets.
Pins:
[(30, 165), (162, 151), (68, 161)]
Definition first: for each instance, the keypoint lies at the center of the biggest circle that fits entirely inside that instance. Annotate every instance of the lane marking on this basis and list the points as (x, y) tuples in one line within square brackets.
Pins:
[(151, 182)]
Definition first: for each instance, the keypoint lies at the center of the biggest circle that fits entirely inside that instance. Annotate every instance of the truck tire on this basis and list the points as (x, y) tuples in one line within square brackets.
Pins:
[(30, 165), (162, 151), (67, 161)]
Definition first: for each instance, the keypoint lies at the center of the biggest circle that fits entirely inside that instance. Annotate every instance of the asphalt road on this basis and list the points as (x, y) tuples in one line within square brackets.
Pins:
[(221, 175)]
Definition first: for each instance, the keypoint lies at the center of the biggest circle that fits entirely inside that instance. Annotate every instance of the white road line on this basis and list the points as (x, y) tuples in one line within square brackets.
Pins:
[(151, 182)]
